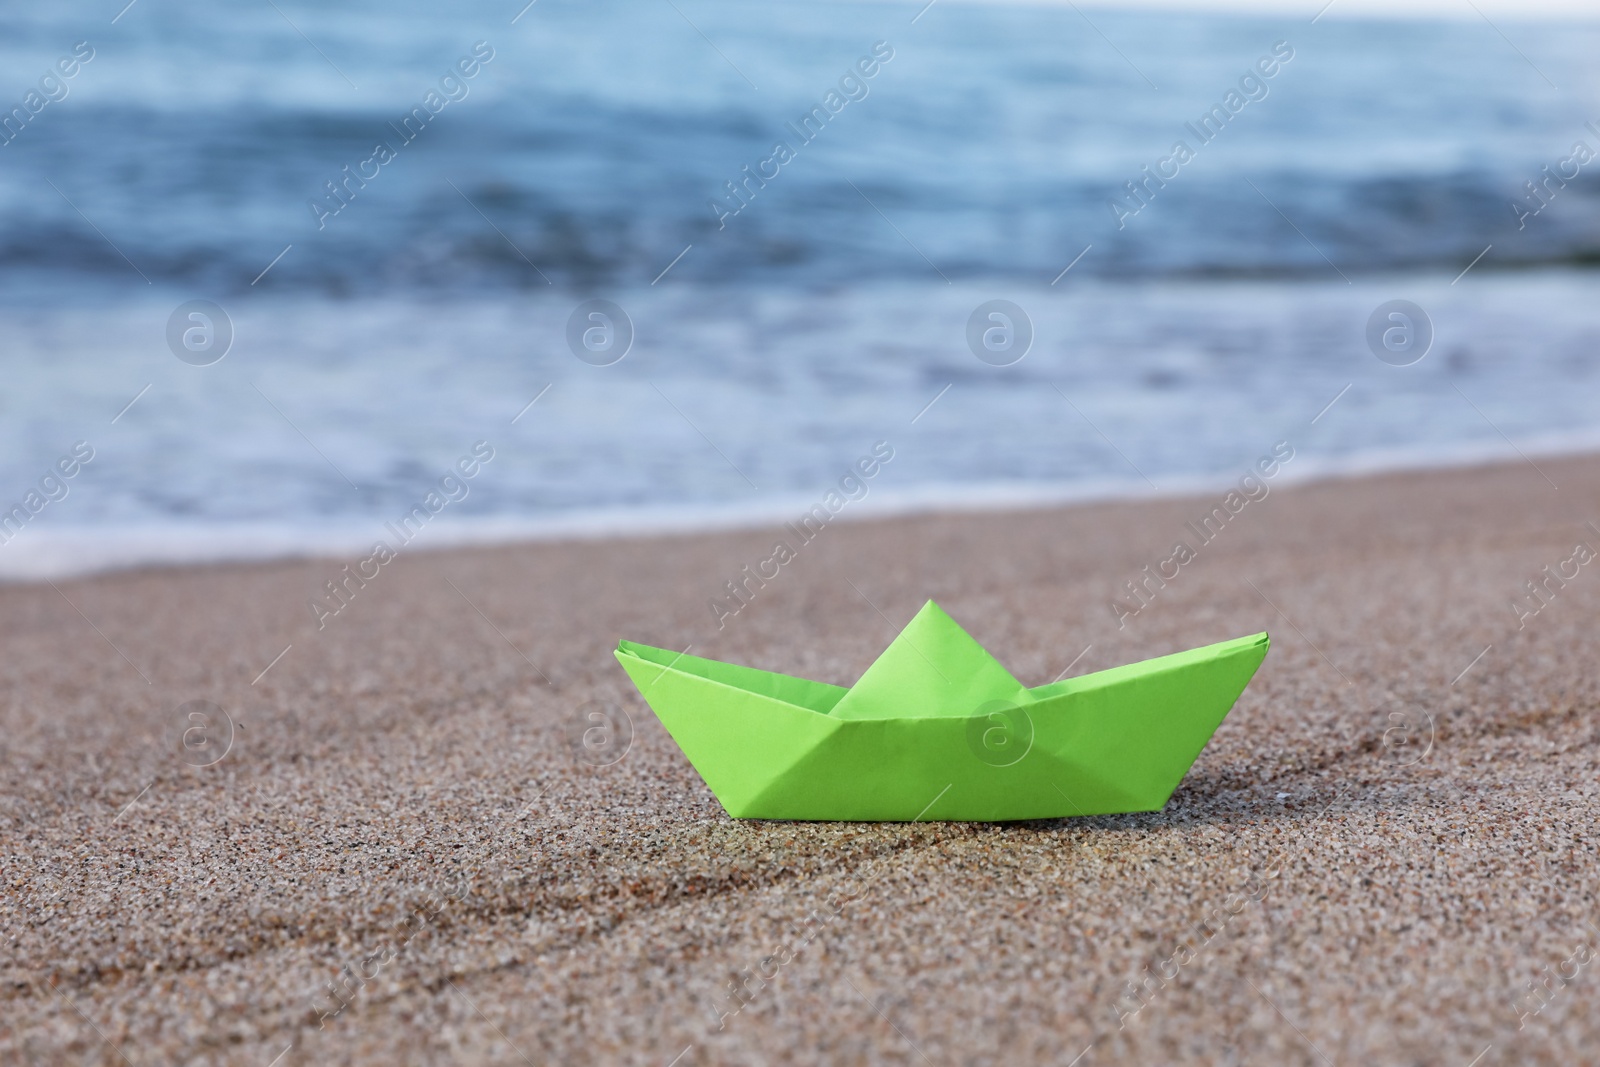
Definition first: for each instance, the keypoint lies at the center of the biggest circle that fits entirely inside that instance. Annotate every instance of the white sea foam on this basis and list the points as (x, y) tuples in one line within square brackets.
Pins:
[(67, 551), (737, 408)]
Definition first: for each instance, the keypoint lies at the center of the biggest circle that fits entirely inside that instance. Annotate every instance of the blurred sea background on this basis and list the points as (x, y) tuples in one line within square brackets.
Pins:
[(773, 347)]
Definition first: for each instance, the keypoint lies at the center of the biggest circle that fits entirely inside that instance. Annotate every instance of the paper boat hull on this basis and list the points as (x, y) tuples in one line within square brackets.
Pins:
[(1115, 741)]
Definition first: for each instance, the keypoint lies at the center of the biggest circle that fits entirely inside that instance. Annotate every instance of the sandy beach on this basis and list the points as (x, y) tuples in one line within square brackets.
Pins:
[(383, 847)]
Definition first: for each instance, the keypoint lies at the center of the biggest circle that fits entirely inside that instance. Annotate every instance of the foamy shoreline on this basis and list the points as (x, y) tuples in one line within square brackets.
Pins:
[(51, 551)]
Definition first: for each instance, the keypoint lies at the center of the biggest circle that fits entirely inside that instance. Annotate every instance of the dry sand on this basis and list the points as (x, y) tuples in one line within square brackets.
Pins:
[(400, 798)]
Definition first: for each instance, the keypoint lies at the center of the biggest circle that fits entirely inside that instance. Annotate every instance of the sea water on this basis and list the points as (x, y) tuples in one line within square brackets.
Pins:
[(399, 208)]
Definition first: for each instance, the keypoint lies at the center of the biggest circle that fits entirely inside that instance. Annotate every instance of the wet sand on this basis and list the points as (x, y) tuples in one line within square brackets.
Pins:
[(401, 857)]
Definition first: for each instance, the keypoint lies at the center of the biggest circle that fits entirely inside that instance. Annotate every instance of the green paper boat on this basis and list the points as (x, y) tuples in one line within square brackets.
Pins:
[(937, 729)]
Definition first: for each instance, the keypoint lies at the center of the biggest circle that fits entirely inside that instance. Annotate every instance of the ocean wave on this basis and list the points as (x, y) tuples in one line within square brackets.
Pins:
[(995, 144), (71, 551), (1212, 228)]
